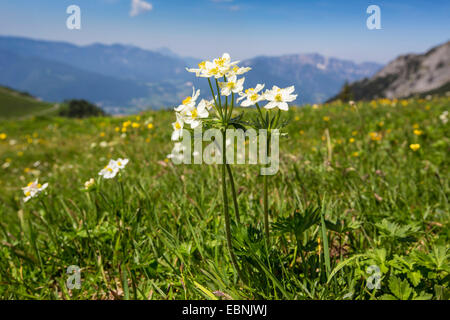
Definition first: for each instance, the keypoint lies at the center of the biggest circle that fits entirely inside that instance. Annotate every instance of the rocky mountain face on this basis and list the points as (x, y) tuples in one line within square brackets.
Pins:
[(407, 75)]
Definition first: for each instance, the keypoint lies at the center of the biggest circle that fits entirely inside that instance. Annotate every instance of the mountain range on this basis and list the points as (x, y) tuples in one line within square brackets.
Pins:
[(407, 75), (124, 79)]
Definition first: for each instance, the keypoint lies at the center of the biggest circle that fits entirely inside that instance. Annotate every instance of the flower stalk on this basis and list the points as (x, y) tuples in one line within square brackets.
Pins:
[(196, 114)]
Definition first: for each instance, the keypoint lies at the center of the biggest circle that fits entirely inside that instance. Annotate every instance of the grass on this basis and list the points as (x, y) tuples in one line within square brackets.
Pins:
[(14, 104), (350, 195)]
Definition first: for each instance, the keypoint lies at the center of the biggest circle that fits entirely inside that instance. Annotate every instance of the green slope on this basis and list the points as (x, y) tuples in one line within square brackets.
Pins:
[(15, 104)]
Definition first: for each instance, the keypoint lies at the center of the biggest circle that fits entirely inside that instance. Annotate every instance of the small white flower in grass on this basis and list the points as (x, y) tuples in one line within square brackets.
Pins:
[(444, 117), (110, 171), (232, 85), (279, 97), (113, 168), (251, 96), (121, 163), (89, 184), (177, 128), (189, 101), (33, 189)]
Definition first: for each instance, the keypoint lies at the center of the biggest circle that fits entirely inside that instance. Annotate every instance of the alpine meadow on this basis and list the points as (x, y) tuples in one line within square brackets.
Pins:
[(358, 209), (224, 159)]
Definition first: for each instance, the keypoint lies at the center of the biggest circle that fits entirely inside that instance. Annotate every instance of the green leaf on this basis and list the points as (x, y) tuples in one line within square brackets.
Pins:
[(400, 288), (414, 277), (326, 252), (442, 293), (388, 297), (205, 291), (342, 264)]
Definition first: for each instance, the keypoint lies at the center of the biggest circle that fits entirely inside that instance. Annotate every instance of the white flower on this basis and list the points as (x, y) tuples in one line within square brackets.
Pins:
[(193, 115), (177, 127), (232, 85), (208, 104), (189, 101), (444, 117), (251, 95), (121, 163), (33, 189), (279, 97), (110, 171), (88, 184), (113, 168), (237, 71), (201, 68), (218, 68)]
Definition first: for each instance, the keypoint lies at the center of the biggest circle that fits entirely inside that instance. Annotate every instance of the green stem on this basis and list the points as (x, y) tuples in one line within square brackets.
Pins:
[(232, 106), (225, 207), (220, 101), (266, 198), (260, 113), (233, 191), (214, 97), (266, 212)]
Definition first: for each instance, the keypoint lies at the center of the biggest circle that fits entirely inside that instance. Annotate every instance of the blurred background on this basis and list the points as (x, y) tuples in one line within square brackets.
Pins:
[(130, 55)]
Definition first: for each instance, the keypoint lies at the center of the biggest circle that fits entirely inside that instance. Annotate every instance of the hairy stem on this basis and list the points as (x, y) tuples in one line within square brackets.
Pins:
[(225, 206), (233, 192)]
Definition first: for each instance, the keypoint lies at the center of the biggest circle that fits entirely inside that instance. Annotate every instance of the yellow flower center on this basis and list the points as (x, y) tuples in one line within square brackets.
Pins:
[(28, 193), (202, 64), (254, 97), (214, 71), (39, 186), (177, 126), (220, 62), (119, 164), (194, 114), (278, 98)]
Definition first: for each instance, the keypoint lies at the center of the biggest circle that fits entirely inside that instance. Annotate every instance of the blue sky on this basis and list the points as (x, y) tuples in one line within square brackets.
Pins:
[(244, 28)]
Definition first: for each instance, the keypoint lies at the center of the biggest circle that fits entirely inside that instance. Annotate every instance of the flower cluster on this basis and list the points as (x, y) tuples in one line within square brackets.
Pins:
[(218, 68), (33, 189), (113, 168), (189, 112)]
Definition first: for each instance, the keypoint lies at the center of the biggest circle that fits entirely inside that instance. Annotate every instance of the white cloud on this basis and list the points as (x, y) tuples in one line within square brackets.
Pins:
[(139, 6)]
